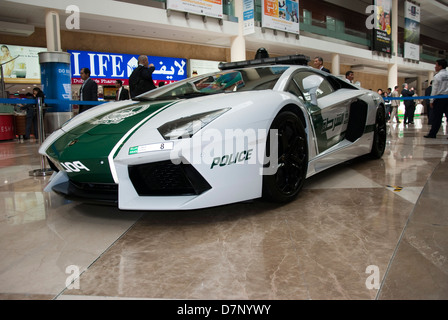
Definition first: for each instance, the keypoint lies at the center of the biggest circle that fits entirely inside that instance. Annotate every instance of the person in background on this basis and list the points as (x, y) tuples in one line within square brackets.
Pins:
[(394, 105), (31, 117), (428, 103), (319, 64), (122, 93), (439, 106), (141, 80), (409, 105), (88, 91), (387, 102), (349, 76)]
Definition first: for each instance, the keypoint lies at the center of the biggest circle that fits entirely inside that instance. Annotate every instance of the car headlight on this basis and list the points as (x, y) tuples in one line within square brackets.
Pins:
[(186, 127)]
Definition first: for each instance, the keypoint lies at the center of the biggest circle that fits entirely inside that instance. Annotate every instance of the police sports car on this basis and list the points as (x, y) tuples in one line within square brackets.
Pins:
[(257, 128)]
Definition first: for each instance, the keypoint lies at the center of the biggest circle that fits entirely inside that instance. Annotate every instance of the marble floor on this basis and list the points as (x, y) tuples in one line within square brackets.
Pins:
[(364, 230)]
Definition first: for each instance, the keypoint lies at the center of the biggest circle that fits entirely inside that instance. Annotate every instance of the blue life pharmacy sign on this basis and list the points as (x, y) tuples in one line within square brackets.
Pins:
[(106, 68)]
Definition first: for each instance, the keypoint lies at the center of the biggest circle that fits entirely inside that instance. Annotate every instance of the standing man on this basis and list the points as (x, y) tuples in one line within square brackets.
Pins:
[(387, 102), (439, 106), (394, 105), (122, 93), (88, 91), (140, 80), (427, 103), (409, 105), (319, 64), (349, 76), (31, 117)]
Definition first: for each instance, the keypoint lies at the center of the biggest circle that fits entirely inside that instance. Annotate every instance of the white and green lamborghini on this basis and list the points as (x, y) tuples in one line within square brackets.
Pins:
[(257, 128)]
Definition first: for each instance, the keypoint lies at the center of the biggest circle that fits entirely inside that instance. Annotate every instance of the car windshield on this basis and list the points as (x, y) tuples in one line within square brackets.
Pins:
[(246, 79)]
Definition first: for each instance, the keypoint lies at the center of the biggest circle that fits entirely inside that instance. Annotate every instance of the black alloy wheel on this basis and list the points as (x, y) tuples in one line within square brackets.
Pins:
[(380, 135), (284, 179)]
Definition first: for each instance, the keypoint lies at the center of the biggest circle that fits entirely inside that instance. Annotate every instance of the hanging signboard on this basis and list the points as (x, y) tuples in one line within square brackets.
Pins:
[(382, 31), (248, 17), (199, 67), (106, 68), (20, 64), (411, 31), (281, 15), (210, 8)]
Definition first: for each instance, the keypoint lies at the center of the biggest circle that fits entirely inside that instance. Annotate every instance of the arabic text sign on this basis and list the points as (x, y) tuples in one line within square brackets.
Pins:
[(106, 68), (211, 8), (281, 15)]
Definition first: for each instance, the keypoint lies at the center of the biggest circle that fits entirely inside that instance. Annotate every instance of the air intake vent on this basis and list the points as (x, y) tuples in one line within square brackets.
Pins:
[(167, 179)]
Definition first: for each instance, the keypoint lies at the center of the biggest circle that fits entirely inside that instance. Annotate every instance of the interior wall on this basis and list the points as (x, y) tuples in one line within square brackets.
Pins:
[(118, 44), (84, 41)]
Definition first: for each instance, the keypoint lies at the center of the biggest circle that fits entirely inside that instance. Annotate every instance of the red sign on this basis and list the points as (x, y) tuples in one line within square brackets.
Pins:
[(101, 82), (7, 127)]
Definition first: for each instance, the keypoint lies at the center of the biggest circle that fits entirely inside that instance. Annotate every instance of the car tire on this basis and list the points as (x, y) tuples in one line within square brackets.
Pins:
[(283, 180), (380, 135)]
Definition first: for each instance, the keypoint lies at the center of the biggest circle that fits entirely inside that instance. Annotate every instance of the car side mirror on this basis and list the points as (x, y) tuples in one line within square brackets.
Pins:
[(310, 85)]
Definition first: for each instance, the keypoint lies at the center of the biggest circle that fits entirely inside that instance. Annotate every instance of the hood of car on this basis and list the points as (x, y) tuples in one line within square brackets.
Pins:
[(84, 150), (120, 120)]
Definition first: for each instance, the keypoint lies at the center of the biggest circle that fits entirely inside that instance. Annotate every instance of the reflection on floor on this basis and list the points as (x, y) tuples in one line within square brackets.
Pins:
[(363, 230)]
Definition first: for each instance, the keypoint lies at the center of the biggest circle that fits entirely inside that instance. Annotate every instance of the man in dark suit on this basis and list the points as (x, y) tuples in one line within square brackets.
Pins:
[(319, 64), (88, 91), (122, 93), (409, 105), (140, 80)]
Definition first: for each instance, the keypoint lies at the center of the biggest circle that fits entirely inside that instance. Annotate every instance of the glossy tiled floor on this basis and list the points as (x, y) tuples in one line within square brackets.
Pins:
[(363, 230)]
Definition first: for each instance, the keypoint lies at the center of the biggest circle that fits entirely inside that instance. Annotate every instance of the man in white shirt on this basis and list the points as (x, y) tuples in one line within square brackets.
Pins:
[(439, 106), (349, 76)]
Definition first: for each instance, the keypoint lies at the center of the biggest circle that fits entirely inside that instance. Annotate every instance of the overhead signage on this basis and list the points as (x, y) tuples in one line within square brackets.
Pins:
[(411, 31), (382, 31), (20, 64), (199, 67), (106, 68), (248, 17), (210, 8), (281, 15)]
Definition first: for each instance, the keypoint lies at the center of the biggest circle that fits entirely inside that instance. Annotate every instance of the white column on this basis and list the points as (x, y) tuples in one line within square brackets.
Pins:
[(420, 90), (392, 75), (53, 32), (394, 22), (238, 43), (430, 76), (335, 64)]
